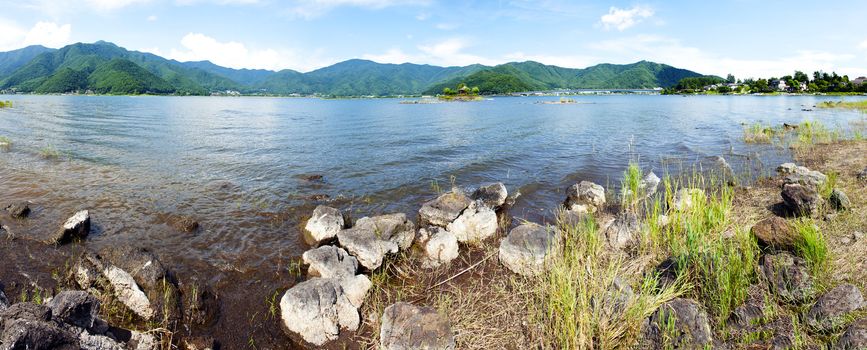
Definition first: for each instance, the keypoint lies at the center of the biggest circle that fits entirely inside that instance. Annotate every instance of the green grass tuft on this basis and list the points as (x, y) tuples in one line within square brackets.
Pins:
[(49, 152), (811, 246)]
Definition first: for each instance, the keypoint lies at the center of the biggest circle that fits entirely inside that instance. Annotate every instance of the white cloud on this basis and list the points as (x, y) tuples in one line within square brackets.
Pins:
[(449, 52), (863, 45), (671, 51), (110, 5), (152, 18), (48, 34), (314, 8), (232, 54), (623, 19)]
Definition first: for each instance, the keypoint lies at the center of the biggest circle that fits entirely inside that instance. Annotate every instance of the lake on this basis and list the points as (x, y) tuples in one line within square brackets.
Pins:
[(248, 168)]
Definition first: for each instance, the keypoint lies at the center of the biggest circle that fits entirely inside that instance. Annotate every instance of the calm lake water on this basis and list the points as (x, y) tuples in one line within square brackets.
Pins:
[(245, 167)]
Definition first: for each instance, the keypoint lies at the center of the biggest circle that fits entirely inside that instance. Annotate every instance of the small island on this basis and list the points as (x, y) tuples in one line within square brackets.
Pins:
[(462, 93)]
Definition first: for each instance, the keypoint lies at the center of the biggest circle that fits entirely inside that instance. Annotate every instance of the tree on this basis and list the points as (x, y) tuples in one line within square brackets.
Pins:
[(448, 91), (730, 79), (801, 77), (475, 90)]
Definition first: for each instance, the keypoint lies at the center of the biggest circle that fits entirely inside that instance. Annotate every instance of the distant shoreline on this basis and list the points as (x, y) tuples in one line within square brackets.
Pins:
[(588, 92)]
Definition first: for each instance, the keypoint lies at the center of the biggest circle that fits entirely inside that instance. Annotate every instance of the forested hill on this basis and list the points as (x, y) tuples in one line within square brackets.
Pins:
[(103, 67)]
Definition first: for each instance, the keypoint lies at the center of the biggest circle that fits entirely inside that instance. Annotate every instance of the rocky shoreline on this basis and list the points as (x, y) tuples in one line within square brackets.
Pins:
[(352, 294)]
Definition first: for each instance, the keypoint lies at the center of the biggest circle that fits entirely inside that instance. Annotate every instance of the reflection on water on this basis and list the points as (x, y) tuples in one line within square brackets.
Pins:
[(246, 167)]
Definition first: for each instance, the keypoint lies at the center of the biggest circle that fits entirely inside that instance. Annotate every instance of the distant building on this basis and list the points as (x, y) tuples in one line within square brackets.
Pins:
[(802, 86), (778, 85), (859, 81)]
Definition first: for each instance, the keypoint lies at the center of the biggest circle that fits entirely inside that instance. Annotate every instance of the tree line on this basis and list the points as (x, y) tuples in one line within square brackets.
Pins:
[(820, 82)]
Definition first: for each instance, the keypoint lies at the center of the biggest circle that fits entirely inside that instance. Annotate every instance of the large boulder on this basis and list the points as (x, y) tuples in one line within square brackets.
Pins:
[(77, 308), (318, 309), (650, 183), (622, 231), (854, 338), (491, 195), (529, 248), (75, 228), (801, 200), (585, 197), (329, 261), (18, 210), (323, 225), (775, 233), (788, 277), (37, 335), (830, 311), (839, 200), (444, 209), (408, 327), (372, 238), (440, 246), (477, 223), (683, 321), (795, 174)]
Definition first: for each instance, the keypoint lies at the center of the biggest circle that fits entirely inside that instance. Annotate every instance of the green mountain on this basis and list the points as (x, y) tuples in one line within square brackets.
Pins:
[(106, 68)]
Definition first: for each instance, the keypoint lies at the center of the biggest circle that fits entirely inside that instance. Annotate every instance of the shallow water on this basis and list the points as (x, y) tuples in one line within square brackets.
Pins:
[(242, 166)]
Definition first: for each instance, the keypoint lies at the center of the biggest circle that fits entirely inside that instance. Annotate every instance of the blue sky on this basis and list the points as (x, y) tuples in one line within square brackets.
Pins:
[(744, 37)]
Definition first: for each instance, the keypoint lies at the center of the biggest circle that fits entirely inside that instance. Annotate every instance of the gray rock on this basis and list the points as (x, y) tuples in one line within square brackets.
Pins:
[(528, 249), (408, 327), (127, 291), (615, 299), (794, 174), (491, 195), (37, 335), (622, 231), (323, 225), (585, 197), (830, 311), (76, 308), (372, 238), (788, 277), (4, 302), (143, 341), (148, 272), (98, 342), (318, 309), (683, 198), (690, 322), (854, 338), (801, 200), (751, 311), (724, 167), (18, 210), (440, 246), (329, 261), (477, 223), (443, 210), (650, 183), (77, 227), (839, 200)]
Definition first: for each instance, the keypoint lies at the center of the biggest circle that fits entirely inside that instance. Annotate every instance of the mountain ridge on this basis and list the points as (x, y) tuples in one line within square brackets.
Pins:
[(37, 69)]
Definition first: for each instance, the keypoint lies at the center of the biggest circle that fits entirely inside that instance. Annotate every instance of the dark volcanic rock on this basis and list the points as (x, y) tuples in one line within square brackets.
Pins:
[(406, 326), (74, 307), (830, 310), (839, 200), (75, 228), (4, 302), (18, 210), (788, 277), (690, 321), (801, 200), (775, 233), (492, 195), (855, 337), (37, 335)]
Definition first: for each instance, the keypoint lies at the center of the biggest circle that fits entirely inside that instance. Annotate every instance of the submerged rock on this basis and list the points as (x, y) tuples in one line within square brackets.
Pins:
[(622, 231), (585, 197), (475, 224), (323, 225), (528, 249), (330, 261), (444, 209), (491, 195), (440, 246), (372, 238), (75, 228), (788, 277), (775, 233), (318, 309), (18, 210), (801, 200), (408, 327), (690, 326), (855, 337), (183, 223), (74, 307), (830, 311), (839, 200)]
